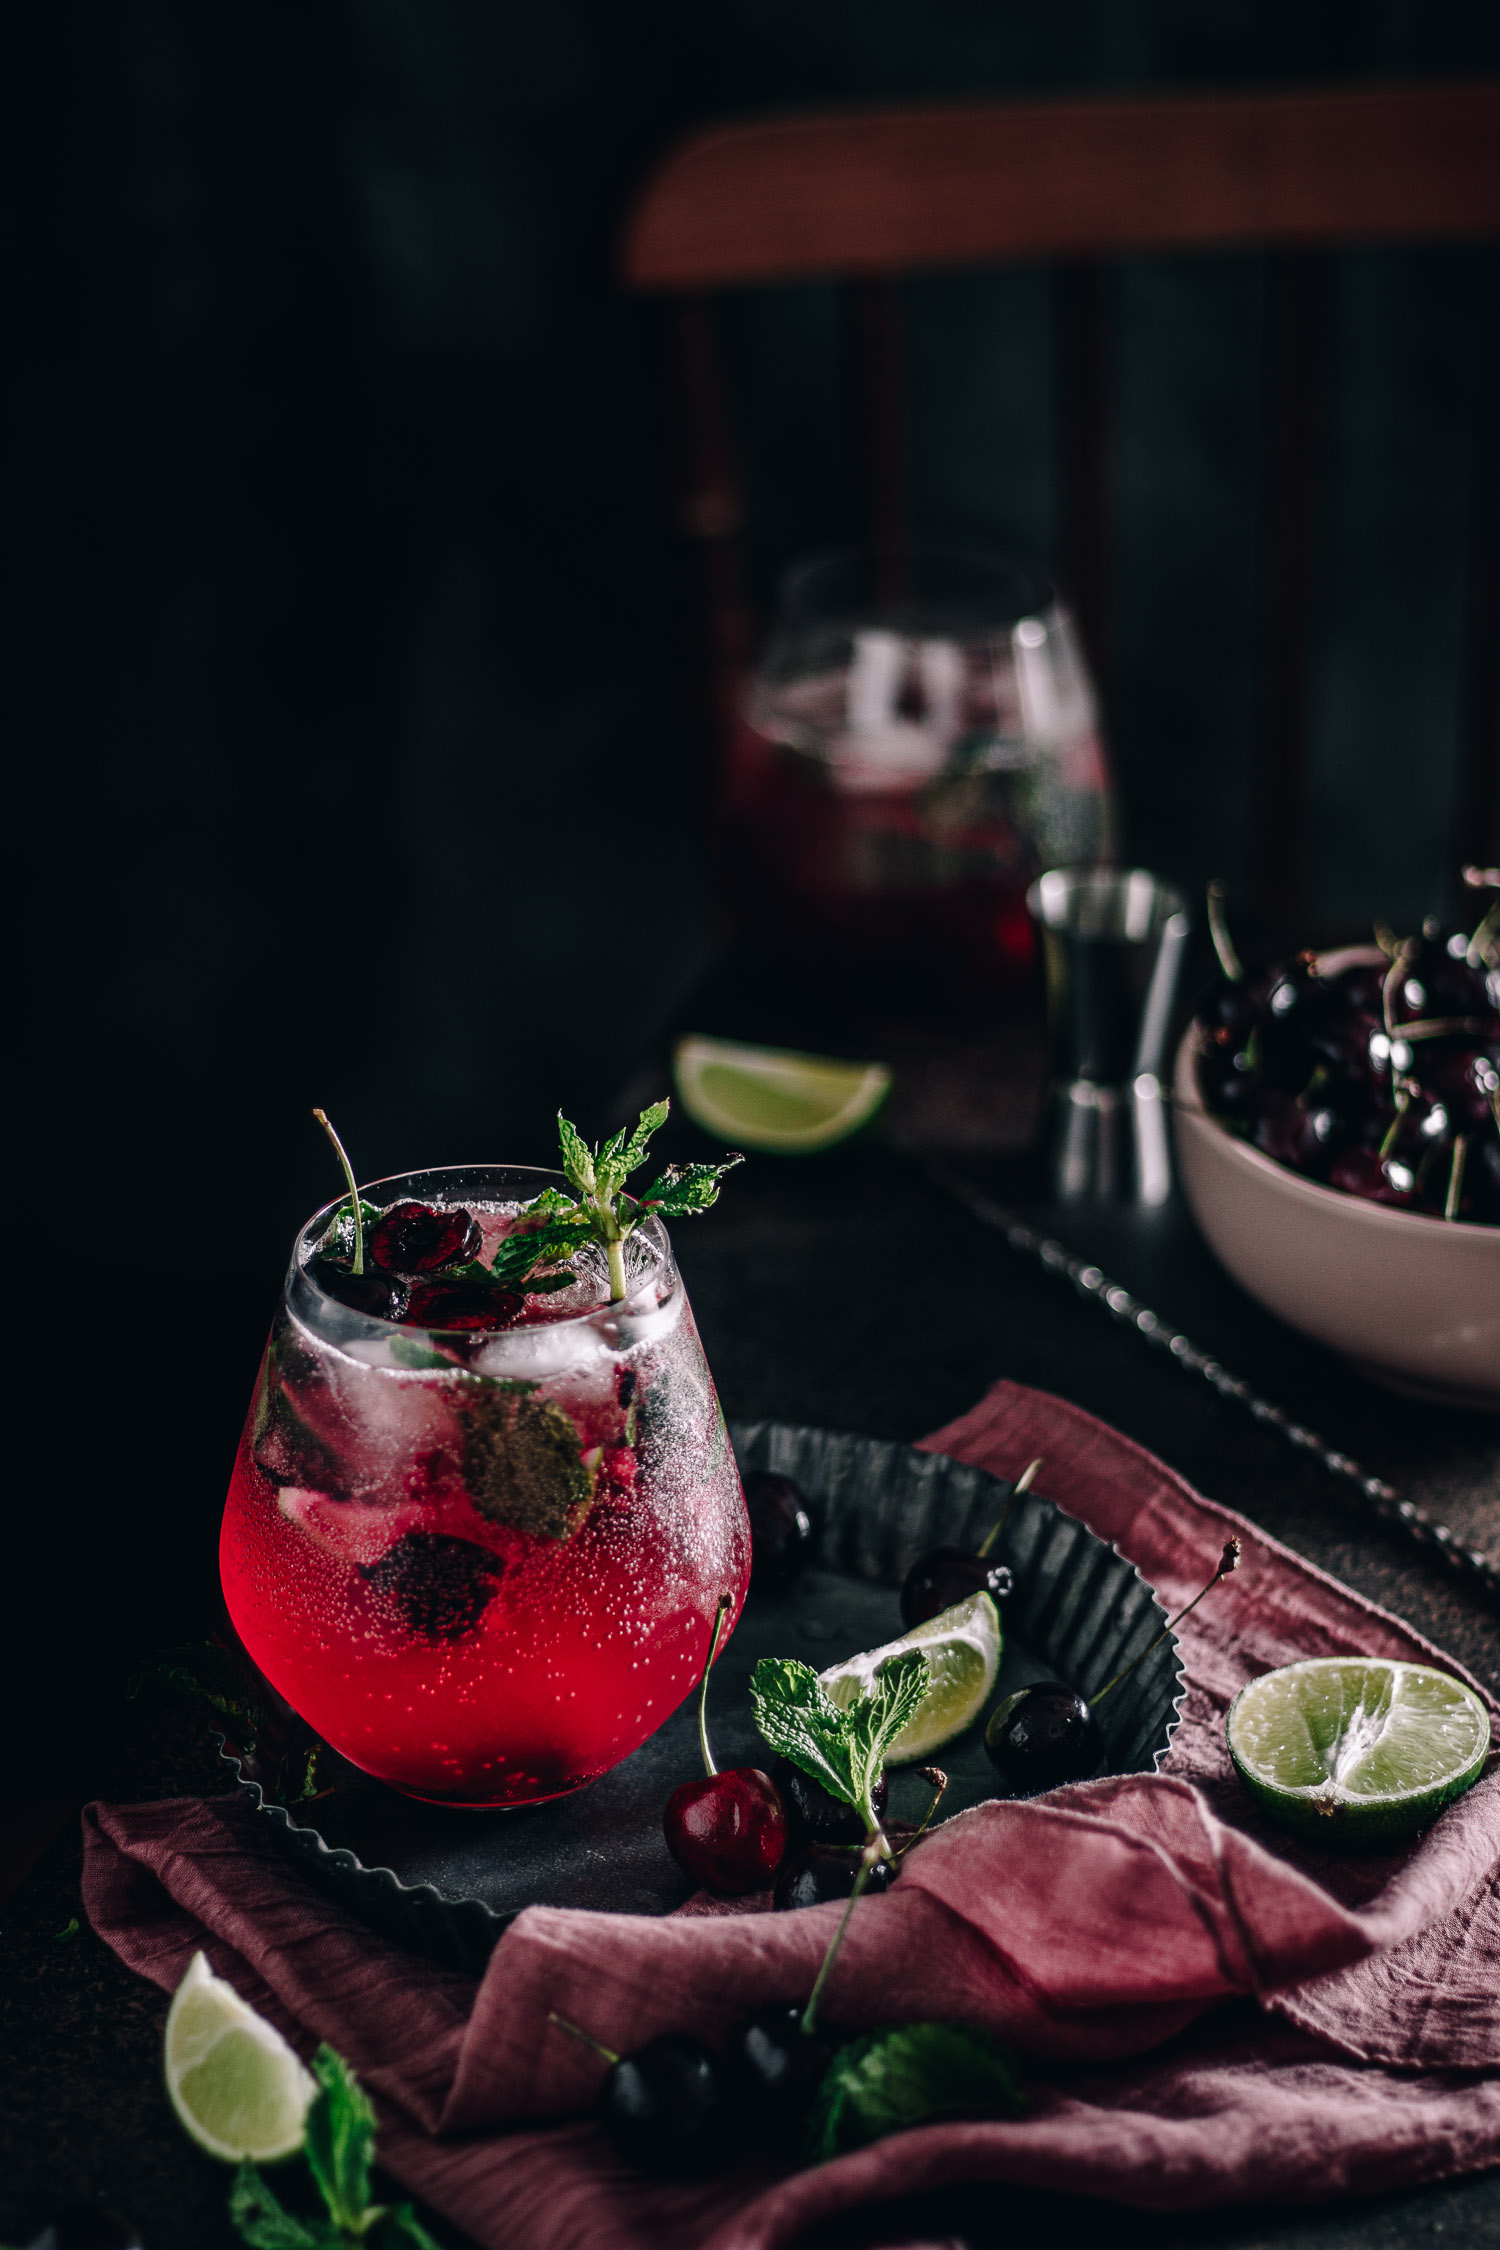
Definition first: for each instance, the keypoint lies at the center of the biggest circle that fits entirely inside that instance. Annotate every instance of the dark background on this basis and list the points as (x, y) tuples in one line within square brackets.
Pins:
[(350, 635)]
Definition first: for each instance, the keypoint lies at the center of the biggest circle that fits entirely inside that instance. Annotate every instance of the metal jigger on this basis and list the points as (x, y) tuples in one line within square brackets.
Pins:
[(1114, 941)]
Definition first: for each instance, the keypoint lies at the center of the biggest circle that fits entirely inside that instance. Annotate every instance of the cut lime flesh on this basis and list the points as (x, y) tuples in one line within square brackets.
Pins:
[(235, 2084), (1355, 1750), (962, 1648), (773, 1100)]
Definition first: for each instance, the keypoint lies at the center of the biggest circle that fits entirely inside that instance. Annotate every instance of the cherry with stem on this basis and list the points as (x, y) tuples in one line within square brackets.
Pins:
[(947, 1575), (359, 1224), (1047, 1734), (664, 2108), (778, 2057), (824, 1871), (728, 1830)]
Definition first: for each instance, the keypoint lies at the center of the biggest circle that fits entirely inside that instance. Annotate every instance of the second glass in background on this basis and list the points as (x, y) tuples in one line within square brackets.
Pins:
[(923, 739)]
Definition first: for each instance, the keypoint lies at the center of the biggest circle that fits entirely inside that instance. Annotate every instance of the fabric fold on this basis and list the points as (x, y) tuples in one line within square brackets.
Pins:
[(1209, 2013)]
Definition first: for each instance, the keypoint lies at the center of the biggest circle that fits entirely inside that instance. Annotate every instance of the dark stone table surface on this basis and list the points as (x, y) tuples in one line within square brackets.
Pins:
[(852, 1292)]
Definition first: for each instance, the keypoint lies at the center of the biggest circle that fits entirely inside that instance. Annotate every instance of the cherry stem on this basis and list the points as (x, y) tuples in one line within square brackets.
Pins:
[(576, 2031), (1393, 1130), (1456, 1178), (359, 1224), (1228, 1561), (1218, 930), (868, 1858), (1022, 1484), (713, 1645), (937, 1782)]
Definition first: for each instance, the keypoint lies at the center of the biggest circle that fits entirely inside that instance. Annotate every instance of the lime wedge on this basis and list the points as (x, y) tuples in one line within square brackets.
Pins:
[(772, 1100), (962, 1648), (1357, 1749), (235, 2083)]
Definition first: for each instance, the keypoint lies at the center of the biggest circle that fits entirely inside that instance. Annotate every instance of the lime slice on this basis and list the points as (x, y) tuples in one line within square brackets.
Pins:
[(1356, 1749), (769, 1099), (962, 1648), (234, 2082)]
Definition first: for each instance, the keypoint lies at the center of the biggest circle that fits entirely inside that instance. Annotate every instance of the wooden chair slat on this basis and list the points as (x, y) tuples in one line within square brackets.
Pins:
[(909, 191)]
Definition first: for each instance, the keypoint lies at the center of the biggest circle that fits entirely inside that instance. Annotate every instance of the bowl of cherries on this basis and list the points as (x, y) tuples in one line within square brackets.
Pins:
[(1338, 1138)]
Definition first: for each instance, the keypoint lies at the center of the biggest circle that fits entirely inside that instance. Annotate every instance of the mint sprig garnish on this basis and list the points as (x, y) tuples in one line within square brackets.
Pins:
[(890, 2080), (842, 1748), (598, 1209), (340, 2150)]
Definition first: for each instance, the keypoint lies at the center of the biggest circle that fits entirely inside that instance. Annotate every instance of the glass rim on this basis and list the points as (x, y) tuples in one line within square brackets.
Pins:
[(352, 1326)]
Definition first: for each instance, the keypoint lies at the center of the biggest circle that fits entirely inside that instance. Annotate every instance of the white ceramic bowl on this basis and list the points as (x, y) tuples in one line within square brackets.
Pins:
[(1414, 1301)]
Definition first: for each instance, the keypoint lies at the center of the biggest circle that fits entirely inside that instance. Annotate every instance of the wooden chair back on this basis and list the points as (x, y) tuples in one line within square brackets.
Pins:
[(867, 198)]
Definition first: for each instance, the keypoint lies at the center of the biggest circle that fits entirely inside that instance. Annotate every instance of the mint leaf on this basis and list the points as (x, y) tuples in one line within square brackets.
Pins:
[(890, 2080), (599, 1210), (877, 1719), (626, 1152), (578, 1164), (407, 1352), (686, 1189), (522, 1461), (842, 1747), (257, 2215), (340, 2144), (338, 1240), (794, 1715)]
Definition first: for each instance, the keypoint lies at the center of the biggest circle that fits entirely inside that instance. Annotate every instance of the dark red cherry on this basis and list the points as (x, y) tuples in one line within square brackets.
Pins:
[(1227, 1079), (813, 1816), (441, 1585), (1230, 1007), (1374, 1178), (1044, 1735), (1303, 1135), (1461, 1078), (1344, 1043), (780, 1531), (665, 2109), (420, 1238), (827, 1871), (1360, 990), (775, 2068), (379, 1295), (473, 1306), (1437, 979), (727, 1830), (945, 1575)]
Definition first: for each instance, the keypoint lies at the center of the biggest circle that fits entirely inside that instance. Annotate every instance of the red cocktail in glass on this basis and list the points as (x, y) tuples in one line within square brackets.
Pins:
[(484, 1564)]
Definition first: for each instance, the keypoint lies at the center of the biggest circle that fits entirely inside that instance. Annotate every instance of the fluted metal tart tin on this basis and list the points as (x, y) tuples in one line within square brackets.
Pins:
[(446, 1883)]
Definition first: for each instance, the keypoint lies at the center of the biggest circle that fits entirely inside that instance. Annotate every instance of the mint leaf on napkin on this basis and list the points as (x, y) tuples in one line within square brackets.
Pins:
[(843, 1749), (340, 2143), (889, 2080), (265, 2224)]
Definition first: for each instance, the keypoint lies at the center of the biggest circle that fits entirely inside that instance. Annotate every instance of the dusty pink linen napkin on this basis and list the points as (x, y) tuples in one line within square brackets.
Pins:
[(1211, 2014)]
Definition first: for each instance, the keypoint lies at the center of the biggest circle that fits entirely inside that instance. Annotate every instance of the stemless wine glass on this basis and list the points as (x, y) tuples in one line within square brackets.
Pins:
[(923, 739), (484, 1566)]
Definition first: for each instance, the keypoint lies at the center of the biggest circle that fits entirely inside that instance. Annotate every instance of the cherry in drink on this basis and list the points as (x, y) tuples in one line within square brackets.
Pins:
[(482, 1516)]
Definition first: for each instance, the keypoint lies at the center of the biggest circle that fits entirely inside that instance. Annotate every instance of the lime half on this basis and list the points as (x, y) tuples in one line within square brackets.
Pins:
[(770, 1099), (962, 1648), (235, 2083), (1357, 1749)]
